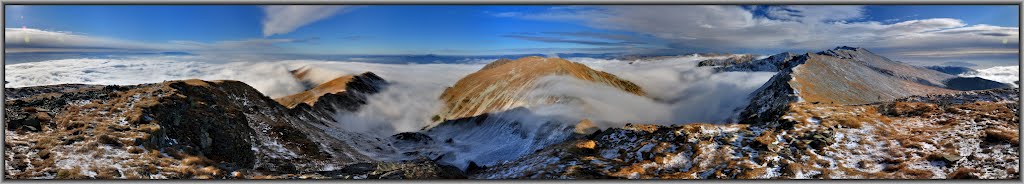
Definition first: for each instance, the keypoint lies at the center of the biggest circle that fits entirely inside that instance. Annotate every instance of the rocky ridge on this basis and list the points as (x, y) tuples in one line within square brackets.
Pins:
[(179, 129), (817, 118), (501, 85), (847, 76)]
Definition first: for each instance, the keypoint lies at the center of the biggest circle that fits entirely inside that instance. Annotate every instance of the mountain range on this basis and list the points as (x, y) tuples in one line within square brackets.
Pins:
[(840, 113)]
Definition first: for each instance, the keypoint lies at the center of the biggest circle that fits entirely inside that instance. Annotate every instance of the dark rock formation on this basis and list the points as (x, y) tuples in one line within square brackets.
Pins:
[(227, 125)]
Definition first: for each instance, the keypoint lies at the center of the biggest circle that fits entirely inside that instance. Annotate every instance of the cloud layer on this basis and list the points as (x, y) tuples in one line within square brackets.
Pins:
[(35, 40), (281, 19), (682, 92), (790, 28)]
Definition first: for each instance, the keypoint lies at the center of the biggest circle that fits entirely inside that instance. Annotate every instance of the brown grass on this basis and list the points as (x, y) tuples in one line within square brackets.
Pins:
[(467, 97), (1000, 135), (108, 140), (963, 173), (196, 161), (309, 97), (72, 173)]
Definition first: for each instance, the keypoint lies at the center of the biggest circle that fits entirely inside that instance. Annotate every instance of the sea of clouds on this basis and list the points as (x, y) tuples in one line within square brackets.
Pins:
[(678, 91), (1004, 74)]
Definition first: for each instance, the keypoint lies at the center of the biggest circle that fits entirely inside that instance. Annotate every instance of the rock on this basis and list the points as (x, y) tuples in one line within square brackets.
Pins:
[(588, 144), (963, 173), (226, 122), (412, 169), (415, 137), (473, 168), (585, 127)]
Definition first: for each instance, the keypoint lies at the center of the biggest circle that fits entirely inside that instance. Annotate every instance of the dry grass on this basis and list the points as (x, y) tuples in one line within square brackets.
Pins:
[(309, 97), (494, 87), (72, 173), (1002, 135), (909, 109)]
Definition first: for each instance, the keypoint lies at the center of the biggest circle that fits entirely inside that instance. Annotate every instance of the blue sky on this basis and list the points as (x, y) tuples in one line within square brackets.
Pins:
[(968, 30)]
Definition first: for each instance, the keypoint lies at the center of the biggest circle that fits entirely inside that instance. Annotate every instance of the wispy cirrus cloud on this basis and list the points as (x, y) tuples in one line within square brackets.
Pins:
[(282, 19), (35, 40), (791, 28)]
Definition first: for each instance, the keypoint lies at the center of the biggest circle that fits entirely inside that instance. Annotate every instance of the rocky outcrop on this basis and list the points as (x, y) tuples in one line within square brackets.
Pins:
[(345, 93), (953, 70), (355, 86), (728, 61), (772, 63), (175, 129)]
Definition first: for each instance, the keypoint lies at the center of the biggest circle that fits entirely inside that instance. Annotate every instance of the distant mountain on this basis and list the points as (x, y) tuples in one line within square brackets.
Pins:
[(728, 61), (953, 70), (772, 63)]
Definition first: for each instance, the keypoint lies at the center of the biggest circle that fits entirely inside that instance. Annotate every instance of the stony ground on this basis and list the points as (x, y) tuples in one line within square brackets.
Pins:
[(905, 139)]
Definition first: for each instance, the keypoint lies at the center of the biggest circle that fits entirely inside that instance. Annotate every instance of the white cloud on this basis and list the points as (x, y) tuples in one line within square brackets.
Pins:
[(34, 40), (787, 28), (815, 13), (961, 52), (1004, 74), (281, 19)]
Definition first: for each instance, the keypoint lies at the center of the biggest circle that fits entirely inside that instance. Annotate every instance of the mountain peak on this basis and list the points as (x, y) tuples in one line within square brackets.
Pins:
[(337, 85), (502, 85), (847, 76)]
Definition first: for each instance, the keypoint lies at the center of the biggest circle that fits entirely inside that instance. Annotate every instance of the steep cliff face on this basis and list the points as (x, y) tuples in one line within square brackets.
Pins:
[(502, 85), (174, 129), (344, 93)]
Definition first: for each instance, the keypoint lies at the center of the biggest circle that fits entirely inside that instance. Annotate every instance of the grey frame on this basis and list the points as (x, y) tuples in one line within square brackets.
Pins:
[(1019, 3)]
